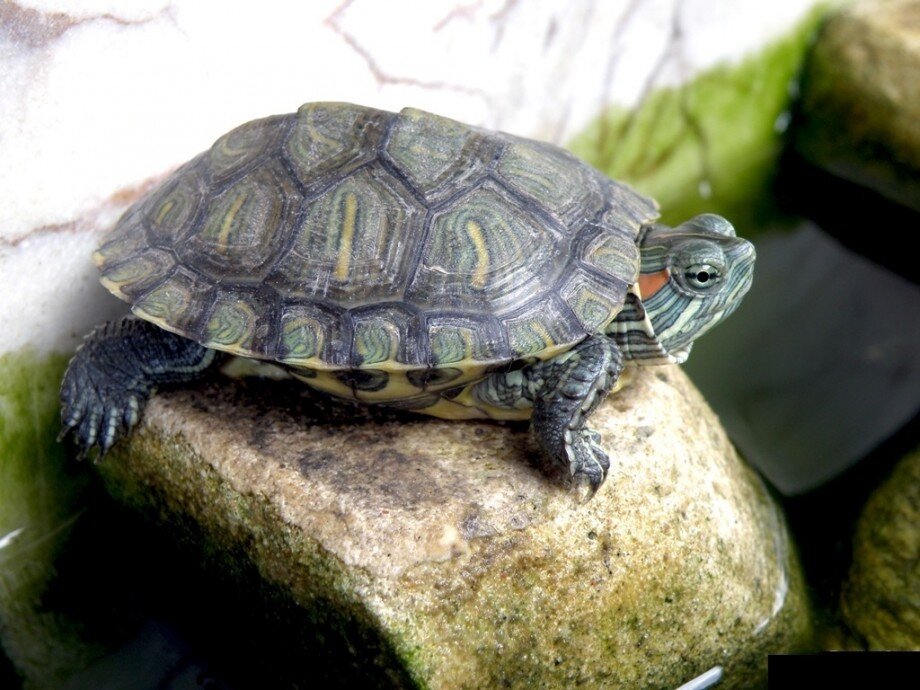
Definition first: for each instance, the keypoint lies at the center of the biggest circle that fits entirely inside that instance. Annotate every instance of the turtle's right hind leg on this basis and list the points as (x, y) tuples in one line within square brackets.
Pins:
[(113, 374)]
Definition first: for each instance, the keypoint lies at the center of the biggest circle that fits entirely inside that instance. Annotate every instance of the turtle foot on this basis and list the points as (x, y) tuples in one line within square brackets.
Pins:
[(588, 463), (114, 373), (95, 413), (566, 391)]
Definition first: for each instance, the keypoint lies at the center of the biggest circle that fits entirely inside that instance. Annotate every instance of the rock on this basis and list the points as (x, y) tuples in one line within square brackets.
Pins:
[(881, 597), (861, 98), (441, 557)]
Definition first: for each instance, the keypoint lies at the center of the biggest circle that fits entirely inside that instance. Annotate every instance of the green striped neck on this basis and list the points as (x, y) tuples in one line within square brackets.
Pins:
[(691, 277), (635, 335)]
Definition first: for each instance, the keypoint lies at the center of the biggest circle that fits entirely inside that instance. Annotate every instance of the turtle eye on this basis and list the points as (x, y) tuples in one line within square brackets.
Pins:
[(698, 266), (702, 276)]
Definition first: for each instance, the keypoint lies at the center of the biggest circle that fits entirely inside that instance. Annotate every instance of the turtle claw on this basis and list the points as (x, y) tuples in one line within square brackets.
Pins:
[(96, 417), (588, 463), (583, 489)]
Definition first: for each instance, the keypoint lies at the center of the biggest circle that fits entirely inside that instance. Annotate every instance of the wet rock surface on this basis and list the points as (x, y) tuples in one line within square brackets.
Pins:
[(881, 597), (439, 554), (861, 98)]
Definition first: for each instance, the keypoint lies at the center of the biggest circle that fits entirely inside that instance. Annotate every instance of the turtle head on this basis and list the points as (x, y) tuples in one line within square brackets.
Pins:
[(690, 278)]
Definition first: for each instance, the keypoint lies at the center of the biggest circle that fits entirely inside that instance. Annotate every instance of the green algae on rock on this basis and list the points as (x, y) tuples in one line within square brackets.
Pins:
[(712, 144), (39, 501), (881, 596), (861, 99), (432, 554)]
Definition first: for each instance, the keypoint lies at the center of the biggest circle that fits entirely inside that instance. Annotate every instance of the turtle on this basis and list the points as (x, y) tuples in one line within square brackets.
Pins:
[(402, 259)]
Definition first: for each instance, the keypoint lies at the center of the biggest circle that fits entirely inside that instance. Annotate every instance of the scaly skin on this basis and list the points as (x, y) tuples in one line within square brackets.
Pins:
[(564, 391), (113, 374)]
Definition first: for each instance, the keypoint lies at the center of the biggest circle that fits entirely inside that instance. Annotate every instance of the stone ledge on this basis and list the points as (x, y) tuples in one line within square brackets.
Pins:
[(460, 562)]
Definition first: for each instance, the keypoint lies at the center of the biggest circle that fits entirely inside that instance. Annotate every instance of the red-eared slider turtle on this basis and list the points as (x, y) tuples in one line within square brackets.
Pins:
[(404, 259)]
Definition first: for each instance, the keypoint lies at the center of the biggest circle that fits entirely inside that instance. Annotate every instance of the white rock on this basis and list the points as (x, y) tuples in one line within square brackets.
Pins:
[(99, 97)]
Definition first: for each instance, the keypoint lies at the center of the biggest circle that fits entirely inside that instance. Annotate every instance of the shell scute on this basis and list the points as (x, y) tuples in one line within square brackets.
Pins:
[(385, 333), (353, 242), (241, 322), (311, 336), (455, 339), (553, 178), (627, 210), (592, 300), (170, 213), (138, 273), (243, 228), (542, 328), (244, 146), (438, 156), (177, 302), (333, 138), (484, 251), (612, 253)]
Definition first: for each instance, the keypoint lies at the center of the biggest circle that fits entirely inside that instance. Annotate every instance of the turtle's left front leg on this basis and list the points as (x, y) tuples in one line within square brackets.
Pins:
[(567, 389), (564, 391)]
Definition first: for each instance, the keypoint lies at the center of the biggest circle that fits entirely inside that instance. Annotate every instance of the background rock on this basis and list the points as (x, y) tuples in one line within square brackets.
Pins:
[(881, 598), (861, 98), (417, 551)]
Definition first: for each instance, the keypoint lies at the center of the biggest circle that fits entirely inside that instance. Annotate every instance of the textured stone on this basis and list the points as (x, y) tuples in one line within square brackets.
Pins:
[(456, 562), (881, 597), (861, 98)]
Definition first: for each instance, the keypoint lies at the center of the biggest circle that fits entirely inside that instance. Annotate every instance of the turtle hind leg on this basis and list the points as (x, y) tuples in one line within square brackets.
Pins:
[(566, 390), (113, 374)]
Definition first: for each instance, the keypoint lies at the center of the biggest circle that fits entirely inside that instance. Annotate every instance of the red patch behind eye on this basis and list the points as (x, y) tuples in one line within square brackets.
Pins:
[(650, 283)]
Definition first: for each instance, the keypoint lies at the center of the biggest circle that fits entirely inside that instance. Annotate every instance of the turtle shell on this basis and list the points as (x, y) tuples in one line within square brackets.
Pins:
[(342, 237)]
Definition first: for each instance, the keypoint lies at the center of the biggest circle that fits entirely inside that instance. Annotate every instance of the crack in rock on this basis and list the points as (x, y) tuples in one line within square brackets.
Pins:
[(382, 77), (33, 29), (95, 219)]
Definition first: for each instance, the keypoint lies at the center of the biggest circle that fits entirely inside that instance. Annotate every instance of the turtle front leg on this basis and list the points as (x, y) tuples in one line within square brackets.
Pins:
[(564, 391), (113, 374)]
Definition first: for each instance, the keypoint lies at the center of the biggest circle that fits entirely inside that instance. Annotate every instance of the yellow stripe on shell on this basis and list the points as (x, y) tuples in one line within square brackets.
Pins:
[(347, 237), (226, 226), (474, 232), (165, 208)]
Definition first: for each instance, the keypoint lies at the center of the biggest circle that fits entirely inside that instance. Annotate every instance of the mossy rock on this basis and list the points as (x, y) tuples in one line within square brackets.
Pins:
[(861, 99), (413, 552), (881, 597)]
